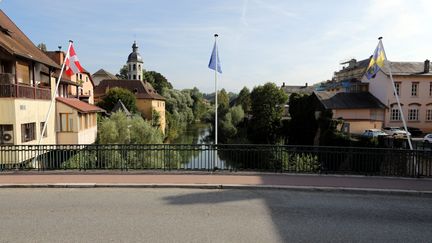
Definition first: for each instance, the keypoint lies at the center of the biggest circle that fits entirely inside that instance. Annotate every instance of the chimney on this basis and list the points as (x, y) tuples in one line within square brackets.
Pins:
[(306, 84), (426, 66)]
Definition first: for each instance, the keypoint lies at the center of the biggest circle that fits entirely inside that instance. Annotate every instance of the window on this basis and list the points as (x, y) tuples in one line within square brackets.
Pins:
[(429, 114), (45, 134), (23, 72), (28, 132), (414, 88), (66, 122), (87, 121), (413, 114), (397, 86), (139, 77), (6, 134), (134, 67), (139, 67), (80, 76), (430, 89), (130, 67), (134, 76), (395, 114)]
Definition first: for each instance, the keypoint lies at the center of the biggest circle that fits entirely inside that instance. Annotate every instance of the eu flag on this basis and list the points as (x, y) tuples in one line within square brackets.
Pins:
[(376, 62), (214, 60)]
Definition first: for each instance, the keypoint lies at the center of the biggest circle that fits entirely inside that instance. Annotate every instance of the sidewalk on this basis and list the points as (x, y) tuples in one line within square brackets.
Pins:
[(222, 180)]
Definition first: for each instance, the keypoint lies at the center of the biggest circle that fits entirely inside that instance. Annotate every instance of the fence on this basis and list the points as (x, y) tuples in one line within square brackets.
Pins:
[(270, 158)]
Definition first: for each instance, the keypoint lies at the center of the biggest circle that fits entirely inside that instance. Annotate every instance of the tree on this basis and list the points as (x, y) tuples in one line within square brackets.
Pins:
[(123, 73), (223, 100), (303, 125), (119, 129), (42, 47), (267, 103), (114, 95), (157, 80), (244, 100)]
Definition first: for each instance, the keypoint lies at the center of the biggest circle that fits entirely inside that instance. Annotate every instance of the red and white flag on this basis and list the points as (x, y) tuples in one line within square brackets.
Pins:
[(72, 63)]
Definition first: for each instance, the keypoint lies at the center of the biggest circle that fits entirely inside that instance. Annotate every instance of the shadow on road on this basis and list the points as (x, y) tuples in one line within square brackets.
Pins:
[(336, 217)]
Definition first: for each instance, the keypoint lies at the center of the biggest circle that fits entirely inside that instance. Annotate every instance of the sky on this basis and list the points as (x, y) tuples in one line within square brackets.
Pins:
[(260, 41)]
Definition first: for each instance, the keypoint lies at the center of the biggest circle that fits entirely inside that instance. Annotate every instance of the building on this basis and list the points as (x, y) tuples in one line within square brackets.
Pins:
[(76, 121), (76, 116), (347, 79), (78, 86), (100, 75), (26, 87), (413, 81), (149, 102), (135, 64), (354, 70), (359, 111)]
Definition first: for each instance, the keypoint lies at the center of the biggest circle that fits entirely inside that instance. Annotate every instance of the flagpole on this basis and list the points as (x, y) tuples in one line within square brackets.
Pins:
[(216, 102), (52, 101), (396, 95)]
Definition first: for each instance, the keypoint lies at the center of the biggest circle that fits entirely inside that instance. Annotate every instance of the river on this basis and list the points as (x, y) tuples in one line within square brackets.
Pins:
[(198, 133)]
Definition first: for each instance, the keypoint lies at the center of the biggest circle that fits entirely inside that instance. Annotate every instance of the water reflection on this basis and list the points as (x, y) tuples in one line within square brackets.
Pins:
[(198, 133)]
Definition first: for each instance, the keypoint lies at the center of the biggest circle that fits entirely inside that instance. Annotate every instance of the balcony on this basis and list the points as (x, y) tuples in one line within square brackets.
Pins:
[(24, 91)]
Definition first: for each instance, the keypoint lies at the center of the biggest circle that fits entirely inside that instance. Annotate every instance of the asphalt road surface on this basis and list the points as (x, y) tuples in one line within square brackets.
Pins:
[(198, 215)]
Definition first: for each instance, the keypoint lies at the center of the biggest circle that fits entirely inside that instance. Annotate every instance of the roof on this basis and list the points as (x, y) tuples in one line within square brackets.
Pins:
[(290, 89), (103, 72), (134, 56), (119, 106), (141, 89), (15, 42), (406, 68), (341, 100), (81, 106)]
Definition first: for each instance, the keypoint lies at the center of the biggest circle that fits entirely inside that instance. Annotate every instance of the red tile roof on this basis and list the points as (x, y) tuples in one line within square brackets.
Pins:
[(79, 105)]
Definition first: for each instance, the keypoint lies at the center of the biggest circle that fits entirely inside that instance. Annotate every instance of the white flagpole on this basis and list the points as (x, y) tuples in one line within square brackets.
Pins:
[(52, 101), (396, 95), (216, 102)]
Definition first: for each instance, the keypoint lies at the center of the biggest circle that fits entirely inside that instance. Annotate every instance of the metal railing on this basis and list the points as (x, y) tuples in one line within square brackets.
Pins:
[(207, 157)]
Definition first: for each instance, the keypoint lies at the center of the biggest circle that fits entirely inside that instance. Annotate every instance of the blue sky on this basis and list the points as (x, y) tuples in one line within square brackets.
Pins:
[(295, 42)]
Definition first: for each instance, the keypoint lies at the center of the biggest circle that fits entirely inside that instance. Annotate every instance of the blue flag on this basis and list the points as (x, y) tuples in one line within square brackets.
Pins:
[(213, 58)]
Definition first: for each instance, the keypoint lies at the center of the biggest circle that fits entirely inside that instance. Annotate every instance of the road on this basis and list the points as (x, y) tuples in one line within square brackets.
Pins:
[(210, 215)]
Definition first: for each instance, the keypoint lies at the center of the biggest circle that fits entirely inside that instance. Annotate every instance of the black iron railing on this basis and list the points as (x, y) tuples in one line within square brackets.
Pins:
[(270, 158)]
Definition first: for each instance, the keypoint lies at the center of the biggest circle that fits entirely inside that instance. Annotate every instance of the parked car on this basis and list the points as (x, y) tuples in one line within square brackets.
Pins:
[(396, 132), (428, 138), (415, 132), (373, 133)]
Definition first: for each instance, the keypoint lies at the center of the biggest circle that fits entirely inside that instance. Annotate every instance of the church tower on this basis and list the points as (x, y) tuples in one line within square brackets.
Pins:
[(135, 64)]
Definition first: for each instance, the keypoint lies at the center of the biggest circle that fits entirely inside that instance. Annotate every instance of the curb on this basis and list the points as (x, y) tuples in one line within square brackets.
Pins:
[(226, 186)]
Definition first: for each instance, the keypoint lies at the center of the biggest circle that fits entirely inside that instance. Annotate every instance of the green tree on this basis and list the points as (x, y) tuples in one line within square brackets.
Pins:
[(42, 47), (303, 125), (123, 73), (119, 129), (267, 103), (157, 80), (244, 100), (223, 100), (114, 95)]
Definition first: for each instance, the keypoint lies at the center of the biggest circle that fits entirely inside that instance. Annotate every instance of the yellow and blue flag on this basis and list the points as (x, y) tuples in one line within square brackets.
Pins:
[(376, 62)]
